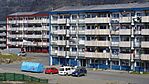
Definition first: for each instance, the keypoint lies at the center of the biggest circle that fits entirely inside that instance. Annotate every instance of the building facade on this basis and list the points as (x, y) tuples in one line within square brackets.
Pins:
[(101, 36), (28, 31), (2, 35)]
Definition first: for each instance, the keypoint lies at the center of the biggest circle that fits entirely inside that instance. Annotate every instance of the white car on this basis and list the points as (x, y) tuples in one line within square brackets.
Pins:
[(21, 54), (66, 70)]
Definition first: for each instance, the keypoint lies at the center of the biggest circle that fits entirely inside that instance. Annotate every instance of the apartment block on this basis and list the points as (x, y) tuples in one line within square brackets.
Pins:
[(2, 35), (28, 31), (101, 36)]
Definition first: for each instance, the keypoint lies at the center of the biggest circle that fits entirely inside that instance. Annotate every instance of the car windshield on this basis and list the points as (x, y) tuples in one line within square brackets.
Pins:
[(61, 69)]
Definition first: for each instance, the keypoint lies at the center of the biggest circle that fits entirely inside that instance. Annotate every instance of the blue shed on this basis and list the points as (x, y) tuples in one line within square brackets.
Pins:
[(32, 67)]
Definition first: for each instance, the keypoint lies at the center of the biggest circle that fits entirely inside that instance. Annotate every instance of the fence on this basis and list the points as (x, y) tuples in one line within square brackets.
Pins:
[(21, 77)]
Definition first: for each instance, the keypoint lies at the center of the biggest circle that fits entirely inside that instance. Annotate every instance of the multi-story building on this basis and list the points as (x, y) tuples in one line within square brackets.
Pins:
[(2, 34), (101, 36), (28, 31)]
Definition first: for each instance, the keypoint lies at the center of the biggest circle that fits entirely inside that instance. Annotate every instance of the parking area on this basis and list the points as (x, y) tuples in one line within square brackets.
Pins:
[(93, 77)]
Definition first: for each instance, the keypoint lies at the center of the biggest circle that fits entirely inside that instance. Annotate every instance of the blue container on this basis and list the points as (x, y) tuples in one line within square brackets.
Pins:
[(32, 67)]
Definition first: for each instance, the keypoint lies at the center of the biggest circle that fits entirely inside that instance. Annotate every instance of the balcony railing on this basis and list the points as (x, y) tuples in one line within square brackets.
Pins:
[(61, 53), (145, 18), (125, 31), (145, 57), (58, 21), (90, 43), (102, 32), (125, 20), (145, 44), (62, 32), (97, 55), (97, 20), (58, 42), (124, 56), (54, 52), (125, 43), (145, 31), (90, 32), (73, 53)]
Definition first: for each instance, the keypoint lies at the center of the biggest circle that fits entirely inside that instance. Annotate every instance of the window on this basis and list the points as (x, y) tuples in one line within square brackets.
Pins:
[(103, 27), (54, 17), (73, 28), (74, 16), (61, 16), (82, 27), (74, 49), (88, 27), (82, 16), (115, 15)]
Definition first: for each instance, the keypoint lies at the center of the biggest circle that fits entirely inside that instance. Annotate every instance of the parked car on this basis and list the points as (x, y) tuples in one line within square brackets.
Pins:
[(22, 53), (51, 70), (66, 70), (79, 72)]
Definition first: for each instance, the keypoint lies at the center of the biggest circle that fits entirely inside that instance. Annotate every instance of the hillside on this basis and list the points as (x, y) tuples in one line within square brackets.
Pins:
[(11, 6)]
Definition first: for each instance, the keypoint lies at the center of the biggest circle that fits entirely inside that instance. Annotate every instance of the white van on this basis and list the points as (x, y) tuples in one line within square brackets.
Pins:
[(66, 70)]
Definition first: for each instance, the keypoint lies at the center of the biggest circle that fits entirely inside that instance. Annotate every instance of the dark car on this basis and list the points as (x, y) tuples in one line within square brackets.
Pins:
[(51, 70), (80, 72)]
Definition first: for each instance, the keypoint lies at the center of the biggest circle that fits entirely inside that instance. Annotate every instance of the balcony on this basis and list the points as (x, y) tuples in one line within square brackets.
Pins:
[(125, 44), (58, 42), (90, 43), (15, 35), (124, 56), (73, 53), (81, 54), (97, 20), (43, 44), (90, 32), (81, 32), (2, 45), (90, 54), (59, 32), (145, 44), (115, 32), (114, 43), (125, 31), (2, 28), (125, 20), (30, 43), (145, 18), (97, 55), (102, 32), (102, 55), (54, 52), (73, 32), (3, 34), (81, 42), (145, 57), (145, 31), (61, 53), (103, 43), (2, 39), (58, 21)]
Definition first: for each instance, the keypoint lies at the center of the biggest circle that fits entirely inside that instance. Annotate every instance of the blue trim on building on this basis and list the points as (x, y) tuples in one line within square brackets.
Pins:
[(50, 40), (88, 11)]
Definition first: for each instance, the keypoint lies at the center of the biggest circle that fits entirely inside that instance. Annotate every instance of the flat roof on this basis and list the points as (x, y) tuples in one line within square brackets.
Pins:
[(104, 8)]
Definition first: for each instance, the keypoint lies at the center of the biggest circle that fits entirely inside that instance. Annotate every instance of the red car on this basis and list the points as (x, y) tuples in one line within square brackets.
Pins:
[(51, 70)]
